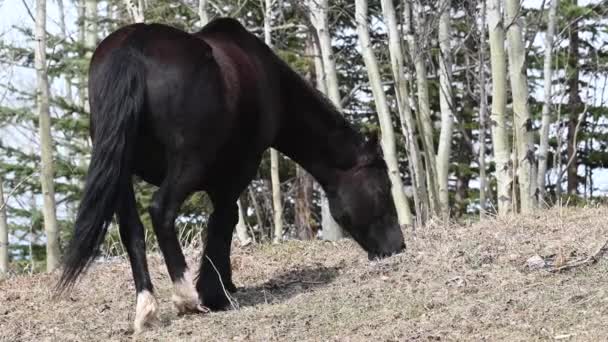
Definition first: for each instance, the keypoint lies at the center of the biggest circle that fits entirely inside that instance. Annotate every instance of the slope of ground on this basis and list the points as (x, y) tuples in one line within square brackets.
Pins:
[(471, 282)]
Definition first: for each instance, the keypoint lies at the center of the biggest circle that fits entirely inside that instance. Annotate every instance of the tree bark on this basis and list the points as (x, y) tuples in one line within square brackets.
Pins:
[(303, 204), (46, 141), (408, 126), (543, 151), (203, 14), (241, 227), (384, 115), (424, 108), (522, 120), (574, 106), (277, 205), (483, 110), (446, 104), (328, 81), (500, 130), (3, 235), (136, 10), (63, 36)]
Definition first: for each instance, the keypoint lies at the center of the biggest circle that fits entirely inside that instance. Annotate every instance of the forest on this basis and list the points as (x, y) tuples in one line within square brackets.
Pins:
[(489, 113)]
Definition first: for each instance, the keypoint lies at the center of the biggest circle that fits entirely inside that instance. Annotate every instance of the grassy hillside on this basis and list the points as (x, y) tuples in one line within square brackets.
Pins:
[(475, 282)]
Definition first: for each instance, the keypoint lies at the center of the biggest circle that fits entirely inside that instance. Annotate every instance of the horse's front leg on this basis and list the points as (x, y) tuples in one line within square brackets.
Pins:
[(215, 277)]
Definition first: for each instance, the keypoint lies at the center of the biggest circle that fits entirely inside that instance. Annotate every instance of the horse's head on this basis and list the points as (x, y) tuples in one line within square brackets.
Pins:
[(363, 205)]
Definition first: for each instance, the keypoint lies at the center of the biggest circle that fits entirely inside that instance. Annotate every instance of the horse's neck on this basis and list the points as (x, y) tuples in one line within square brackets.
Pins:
[(315, 135)]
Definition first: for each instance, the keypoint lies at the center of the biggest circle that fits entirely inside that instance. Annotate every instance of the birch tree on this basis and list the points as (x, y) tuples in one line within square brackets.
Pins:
[(64, 35), (384, 115), (136, 10), (483, 112), (446, 105), (543, 151), (328, 84), (3, 235), (424, 108), (46, 141), (408, 126), (203, 14), (274, 154), (241, 227), (521, 115), (500, 135)]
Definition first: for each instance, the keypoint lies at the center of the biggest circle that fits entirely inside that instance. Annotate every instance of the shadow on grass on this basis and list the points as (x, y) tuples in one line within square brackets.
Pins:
[(286, 285)]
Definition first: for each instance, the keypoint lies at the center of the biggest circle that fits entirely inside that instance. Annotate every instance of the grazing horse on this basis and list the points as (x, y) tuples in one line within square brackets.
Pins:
[(195, 112)]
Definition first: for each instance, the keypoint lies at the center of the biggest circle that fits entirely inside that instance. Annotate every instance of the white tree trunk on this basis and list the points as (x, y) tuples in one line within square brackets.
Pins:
[(408, 126), (521, 115), (136, 10), (241, 227), (3, 235), (91, 24), (500, 133), (384, 115), (202, 13), (63, 36), (483, 112), (46, 142), (328, 81), (274, 154), (425, 123), (543, 151), (446, 104)]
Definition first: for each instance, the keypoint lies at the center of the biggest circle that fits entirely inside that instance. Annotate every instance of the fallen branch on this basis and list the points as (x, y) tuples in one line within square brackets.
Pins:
[(232, 302), (592, 259)]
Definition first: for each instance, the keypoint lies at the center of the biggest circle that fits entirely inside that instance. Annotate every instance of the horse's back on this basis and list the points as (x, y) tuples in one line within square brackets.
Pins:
[(212, 93)]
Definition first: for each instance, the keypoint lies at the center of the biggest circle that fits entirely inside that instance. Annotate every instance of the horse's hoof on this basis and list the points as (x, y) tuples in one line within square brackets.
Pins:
[(145, 311), (230, 287), (217, 303), (185, 297)]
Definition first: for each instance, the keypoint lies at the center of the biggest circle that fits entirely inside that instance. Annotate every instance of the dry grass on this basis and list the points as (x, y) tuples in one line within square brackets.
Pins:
[(453, 283)]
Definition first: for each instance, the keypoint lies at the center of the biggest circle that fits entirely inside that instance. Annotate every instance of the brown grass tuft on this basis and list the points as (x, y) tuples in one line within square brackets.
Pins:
[(455, 282)]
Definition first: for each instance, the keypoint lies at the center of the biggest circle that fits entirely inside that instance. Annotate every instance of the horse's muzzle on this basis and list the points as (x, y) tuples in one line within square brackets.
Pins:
[(381, 255)]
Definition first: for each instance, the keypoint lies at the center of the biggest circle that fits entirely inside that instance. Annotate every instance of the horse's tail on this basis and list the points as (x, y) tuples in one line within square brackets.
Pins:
[(117, 96)]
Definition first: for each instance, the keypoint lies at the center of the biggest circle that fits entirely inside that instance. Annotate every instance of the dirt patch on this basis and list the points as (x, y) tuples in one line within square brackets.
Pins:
[(454, 282)]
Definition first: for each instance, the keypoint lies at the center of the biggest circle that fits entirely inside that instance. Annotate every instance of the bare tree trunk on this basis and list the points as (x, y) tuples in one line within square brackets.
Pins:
[(574, 107), (303, 204), (82, 86), (277, 205), (46, 142), (521, 114), (500, 134), (136, 10), (202, 13), (384, 115), (483, 110), (408, 126), (328, 81), (446, 104), (543, 151), (258, 213), (241, 227), (3, 235), (63, 36), (424, 108)]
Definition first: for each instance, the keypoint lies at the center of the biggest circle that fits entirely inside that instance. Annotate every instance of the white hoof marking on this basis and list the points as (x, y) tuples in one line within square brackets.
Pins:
[(185, 297), (145, 311)]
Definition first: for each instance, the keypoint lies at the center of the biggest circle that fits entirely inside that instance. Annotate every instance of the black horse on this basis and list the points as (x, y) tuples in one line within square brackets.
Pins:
[(195, 112)]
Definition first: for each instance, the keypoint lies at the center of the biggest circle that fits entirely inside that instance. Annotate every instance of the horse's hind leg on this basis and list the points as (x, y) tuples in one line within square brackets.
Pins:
[(179, 183), (132, 235)]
